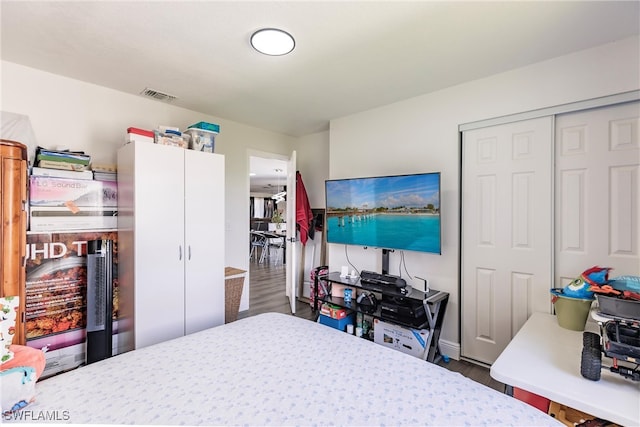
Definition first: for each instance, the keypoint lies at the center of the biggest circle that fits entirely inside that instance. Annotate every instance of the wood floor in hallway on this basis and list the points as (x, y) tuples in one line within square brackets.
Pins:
[(267, 294)]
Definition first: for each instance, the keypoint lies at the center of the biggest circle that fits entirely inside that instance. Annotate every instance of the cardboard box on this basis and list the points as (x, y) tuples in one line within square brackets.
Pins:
[(333, 311), (139, 135), (571, 417), (406, 340), (70, 193), (55, 295), (69, 219)]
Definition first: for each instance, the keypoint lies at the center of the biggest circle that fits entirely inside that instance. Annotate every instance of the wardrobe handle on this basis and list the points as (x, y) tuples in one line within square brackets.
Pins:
[(180, 252), (189, 252)]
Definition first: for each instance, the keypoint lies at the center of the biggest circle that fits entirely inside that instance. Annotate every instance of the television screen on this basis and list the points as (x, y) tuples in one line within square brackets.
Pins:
[(388, 212)]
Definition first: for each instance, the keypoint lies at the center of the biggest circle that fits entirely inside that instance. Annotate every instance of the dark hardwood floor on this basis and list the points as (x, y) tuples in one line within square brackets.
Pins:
[(267, 294)]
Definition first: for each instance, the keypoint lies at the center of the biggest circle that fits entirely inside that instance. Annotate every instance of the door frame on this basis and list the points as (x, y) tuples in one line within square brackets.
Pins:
[(572, 107)]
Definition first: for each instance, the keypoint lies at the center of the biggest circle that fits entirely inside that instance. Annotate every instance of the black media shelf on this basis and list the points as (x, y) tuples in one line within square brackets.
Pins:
[(434, 303)]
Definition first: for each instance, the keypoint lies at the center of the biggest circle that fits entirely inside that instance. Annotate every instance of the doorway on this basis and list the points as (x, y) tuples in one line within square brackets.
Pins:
[(267, 207)]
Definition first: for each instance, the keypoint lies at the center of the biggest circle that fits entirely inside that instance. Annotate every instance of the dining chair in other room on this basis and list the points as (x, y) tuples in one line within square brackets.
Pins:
[(275, 242), (258, 241)]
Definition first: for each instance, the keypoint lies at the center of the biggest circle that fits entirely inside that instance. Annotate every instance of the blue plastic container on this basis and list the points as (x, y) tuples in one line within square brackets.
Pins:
[(211, 127), (340, 324)]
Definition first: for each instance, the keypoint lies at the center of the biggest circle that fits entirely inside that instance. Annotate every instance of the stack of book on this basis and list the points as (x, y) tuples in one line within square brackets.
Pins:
[(62, 160), (60, 173), (104, 172)]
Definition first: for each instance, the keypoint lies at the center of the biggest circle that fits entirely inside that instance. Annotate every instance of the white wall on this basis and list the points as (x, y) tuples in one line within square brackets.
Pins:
[(421, 135), (312, 153), (82, 116)]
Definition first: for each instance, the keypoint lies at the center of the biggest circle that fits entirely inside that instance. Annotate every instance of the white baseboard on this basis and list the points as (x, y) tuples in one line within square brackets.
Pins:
[(450, 349)]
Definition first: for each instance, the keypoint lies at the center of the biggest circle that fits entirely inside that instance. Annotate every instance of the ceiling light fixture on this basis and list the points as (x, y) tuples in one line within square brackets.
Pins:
[(272, 41), (280, 196)]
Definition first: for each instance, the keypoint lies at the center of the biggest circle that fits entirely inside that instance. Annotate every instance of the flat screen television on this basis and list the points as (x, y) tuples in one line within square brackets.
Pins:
[(389, 212)]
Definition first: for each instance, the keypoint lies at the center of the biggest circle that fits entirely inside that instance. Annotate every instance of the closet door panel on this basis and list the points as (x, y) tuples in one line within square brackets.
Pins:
[(506, 232), (597, 191)]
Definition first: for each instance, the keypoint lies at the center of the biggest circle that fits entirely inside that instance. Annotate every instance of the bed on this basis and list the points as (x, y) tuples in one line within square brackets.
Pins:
[(271, 369)]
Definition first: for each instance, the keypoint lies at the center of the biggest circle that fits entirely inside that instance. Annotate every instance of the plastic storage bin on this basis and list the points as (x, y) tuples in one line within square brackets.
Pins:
[(613, 306), (206, 126), (171, 137), (532, 399), (340, 324), (201, 139)]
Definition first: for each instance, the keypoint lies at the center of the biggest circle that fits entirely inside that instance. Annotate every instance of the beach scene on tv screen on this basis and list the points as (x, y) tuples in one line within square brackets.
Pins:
[(393, 212)]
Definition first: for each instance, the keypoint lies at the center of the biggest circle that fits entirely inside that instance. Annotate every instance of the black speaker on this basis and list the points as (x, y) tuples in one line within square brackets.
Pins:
[(99, 299), (367, 302)]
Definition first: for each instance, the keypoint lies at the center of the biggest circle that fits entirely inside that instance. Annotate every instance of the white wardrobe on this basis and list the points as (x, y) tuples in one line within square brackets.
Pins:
[(170, 242)]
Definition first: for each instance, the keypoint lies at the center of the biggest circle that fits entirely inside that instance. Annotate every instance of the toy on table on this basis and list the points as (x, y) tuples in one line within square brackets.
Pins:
[(580, 287), (623, 287)]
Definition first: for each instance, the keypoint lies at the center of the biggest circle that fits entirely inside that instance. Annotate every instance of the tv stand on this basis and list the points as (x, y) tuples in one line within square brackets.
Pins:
[(434, 303)]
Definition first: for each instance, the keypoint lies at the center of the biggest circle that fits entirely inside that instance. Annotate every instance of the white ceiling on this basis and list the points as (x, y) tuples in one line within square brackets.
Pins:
[(268, 175), (349, 56)]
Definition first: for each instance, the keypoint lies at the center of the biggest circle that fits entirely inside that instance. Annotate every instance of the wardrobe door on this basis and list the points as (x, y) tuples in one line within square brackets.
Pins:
[(506, 232), (13, 228), (151, 241), (204, 228)]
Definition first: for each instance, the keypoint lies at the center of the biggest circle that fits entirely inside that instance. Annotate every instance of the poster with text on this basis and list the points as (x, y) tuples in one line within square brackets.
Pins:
[(56, 290)]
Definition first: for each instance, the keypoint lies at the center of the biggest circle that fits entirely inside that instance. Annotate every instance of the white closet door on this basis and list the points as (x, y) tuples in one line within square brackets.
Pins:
[(506, 232), (159, 250), (597, 191), (204, 238)]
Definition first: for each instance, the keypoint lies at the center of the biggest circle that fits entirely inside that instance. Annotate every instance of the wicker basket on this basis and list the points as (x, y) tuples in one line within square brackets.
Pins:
[(233, 284)]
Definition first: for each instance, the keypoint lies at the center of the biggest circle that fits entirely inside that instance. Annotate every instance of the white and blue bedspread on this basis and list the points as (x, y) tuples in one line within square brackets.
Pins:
[(273, 369)]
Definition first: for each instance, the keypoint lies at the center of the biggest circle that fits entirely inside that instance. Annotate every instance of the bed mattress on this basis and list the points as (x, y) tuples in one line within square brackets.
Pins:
[(271, 369)]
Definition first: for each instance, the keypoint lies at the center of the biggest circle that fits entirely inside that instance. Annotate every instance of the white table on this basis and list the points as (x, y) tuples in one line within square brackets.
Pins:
[(544, 358)]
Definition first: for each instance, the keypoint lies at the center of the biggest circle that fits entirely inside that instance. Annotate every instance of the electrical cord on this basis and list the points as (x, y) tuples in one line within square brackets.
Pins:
[(403, 263), (346, 254)]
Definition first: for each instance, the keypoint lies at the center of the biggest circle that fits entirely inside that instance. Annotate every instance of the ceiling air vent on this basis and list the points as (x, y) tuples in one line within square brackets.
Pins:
[(160, 96)]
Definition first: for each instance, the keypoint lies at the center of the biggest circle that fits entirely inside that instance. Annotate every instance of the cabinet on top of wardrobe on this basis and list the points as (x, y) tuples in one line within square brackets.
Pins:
[(170, 242)]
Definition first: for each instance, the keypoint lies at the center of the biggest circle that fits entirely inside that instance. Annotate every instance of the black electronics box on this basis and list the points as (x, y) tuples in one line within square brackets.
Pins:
[(404, 309)]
